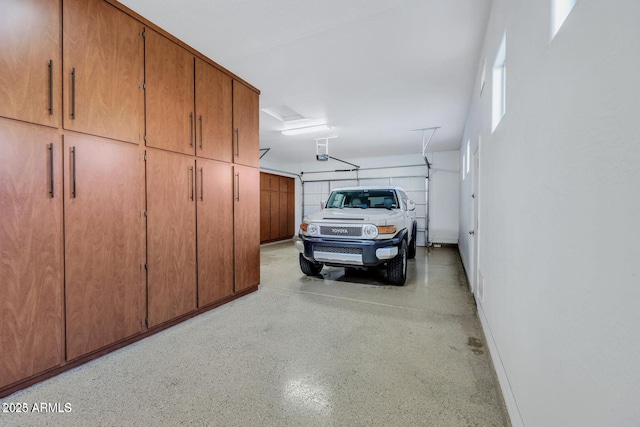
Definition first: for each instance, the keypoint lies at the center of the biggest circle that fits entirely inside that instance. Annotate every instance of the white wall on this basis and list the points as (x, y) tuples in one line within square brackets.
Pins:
[(559, 225)]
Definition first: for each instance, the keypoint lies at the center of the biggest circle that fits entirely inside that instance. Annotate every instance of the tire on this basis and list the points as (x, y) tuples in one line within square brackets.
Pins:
[(308, 267), (397, 267), (412, 246)]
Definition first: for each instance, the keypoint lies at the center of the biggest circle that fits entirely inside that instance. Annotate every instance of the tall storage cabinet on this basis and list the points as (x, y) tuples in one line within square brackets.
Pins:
[(215, 230), (246, 226), (104, 292), (128, 184), (277, 197), (30, 61), (171, 231), (31, 312)]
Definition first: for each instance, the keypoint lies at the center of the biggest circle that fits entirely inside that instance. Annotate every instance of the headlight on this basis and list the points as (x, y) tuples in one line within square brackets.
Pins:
[(387, 229), (370, 231), (313, 229)]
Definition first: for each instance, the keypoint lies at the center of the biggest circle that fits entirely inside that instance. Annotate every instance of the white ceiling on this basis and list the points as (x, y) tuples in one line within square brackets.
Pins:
[(372, 69)]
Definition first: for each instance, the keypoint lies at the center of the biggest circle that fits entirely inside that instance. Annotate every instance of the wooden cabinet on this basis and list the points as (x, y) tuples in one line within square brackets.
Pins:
[(103, 71), (30, 60), (214, 113), (215, 230), (31, 263), (245, 125), (277, 197), (171, 235), (104, 253), (169, 95), (246, 227)]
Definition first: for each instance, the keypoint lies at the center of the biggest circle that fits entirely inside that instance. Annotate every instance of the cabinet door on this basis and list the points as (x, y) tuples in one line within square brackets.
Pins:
[(215, 230), (31, 313), (246, 227), (214, 112), (265, 215), (104, 279), (284, 225), (275, 212), (169, 95), (246, 145), (291, 207), (103, 71), (30, 60), (171, 235)]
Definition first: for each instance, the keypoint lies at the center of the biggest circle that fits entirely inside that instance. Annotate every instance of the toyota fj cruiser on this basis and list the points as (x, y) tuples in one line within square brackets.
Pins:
[(361, 227)]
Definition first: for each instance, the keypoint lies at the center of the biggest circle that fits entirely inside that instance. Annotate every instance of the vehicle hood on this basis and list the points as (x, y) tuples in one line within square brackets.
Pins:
[(356, 215)]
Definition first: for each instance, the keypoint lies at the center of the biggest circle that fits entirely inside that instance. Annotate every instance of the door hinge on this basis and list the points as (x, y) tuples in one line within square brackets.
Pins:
[(143, 33), (146, 322), (145, 137), (146, 266), (145, 213), (145, 157), (144, 86)]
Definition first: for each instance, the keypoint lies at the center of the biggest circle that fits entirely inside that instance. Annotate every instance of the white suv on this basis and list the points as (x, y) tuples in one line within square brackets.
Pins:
[(361, 227)]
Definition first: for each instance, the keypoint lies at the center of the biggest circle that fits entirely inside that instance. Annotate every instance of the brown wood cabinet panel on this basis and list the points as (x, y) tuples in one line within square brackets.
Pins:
[(169, 95), (291, 209), (265, 181), (215, 230), (246, 227), (284, 226), (265, 214), (171, 235), (104, 290), (283, 182), (275, 214), (245, 125), (31, 312), (103, 71), (214, 112), (30, 60)]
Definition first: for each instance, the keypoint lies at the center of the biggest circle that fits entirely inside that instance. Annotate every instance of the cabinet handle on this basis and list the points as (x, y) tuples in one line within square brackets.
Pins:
[(201, 185), (51, 170), (51, 88), (191, 179), (238, 187), (73, 93), (190, 129), (201, 132), (237, 142), (73, 172)]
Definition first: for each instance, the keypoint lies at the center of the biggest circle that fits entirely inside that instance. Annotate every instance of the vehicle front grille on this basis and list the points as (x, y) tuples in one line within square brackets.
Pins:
[(338, 250), (327, 230)]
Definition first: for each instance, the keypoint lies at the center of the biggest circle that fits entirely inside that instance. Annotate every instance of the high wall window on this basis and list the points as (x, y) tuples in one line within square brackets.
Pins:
[(560, 9), (498, 98)]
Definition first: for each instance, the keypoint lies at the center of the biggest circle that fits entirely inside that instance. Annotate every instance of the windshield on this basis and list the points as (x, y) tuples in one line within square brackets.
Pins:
[(363, 199)]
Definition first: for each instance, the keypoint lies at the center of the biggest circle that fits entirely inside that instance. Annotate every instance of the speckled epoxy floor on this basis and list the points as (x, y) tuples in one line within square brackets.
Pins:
[(330, 350)]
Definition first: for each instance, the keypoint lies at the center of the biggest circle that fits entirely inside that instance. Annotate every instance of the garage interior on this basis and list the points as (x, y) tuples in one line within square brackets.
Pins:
[(513, 126)]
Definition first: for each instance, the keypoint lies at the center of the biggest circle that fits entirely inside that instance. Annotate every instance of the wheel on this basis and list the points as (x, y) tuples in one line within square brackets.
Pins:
[(309, 268), (412, 246), (397, 267)]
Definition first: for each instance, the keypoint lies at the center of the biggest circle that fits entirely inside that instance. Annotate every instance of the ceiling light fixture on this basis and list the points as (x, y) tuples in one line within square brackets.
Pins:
[(308, 129)]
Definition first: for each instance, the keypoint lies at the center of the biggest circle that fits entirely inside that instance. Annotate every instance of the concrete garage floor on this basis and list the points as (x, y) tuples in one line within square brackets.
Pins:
[(302, 351)]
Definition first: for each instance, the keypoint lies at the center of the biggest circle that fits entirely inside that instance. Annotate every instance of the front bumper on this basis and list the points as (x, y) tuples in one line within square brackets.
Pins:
[(336, 252)]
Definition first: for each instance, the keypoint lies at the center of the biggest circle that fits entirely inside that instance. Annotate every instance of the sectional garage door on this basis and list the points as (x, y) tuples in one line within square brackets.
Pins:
[(417, 187)]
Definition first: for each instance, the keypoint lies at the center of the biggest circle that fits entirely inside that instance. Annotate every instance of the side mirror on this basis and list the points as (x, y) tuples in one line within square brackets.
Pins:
[(322, 204), (411, 206)]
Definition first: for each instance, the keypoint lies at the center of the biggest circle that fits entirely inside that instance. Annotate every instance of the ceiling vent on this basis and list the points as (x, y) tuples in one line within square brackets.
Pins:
[(283, 113)]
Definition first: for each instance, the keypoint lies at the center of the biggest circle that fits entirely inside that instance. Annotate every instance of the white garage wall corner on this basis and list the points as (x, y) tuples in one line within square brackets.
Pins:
[(558, 201), (444, 184)]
